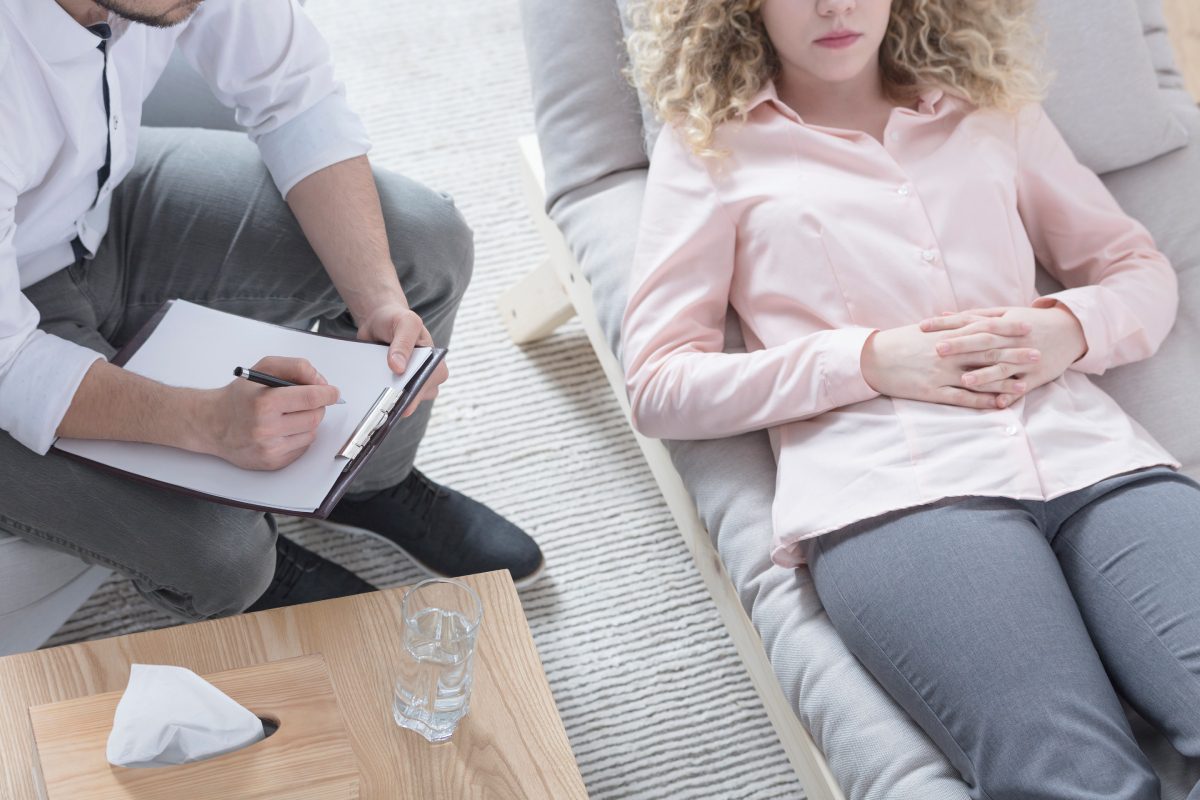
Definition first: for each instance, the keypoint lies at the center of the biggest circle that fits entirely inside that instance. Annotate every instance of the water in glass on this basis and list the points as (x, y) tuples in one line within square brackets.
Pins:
[(433, 690)]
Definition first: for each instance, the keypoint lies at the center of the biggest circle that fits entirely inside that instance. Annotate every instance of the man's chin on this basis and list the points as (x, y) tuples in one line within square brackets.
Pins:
[(129, 10)]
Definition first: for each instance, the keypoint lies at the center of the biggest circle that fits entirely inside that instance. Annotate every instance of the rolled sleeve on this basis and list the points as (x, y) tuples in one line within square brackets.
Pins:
[(266, 60), (323, 135), (38, 385)]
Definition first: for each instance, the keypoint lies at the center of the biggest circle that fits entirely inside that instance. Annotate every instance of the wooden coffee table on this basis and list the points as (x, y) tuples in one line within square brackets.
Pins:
[(511, 745)]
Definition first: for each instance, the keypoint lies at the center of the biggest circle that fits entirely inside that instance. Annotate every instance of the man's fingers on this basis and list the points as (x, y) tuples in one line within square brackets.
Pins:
[(301, 421), (290, 399), (296, 370), (292, 447), (404, 338)]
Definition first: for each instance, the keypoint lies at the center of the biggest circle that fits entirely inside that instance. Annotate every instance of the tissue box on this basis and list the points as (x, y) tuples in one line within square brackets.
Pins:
[(307, 758)]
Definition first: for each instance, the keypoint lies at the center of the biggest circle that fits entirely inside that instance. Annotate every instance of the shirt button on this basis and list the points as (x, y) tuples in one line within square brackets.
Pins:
[(928, 255), (1011, 430), (894, 136), (115, 122), (904, 190)]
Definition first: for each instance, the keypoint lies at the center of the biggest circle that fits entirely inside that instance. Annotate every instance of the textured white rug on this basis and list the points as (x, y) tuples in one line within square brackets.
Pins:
[(653, 695)]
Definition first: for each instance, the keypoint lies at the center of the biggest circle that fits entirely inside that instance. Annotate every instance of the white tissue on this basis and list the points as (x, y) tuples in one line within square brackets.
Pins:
[(170, 715)]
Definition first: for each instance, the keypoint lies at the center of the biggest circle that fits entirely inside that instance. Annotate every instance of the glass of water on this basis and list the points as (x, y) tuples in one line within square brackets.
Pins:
[(433, 690)]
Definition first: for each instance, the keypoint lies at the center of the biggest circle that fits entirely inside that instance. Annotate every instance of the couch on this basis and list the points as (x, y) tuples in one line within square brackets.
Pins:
[(1120, 102)]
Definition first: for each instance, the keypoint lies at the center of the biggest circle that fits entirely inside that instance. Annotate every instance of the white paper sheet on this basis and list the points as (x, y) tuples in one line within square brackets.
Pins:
[(197, 347)]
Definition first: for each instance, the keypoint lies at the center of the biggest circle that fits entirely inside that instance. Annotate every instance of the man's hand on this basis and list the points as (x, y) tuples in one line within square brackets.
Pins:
[(1054, 342), (255, 427), (904, 362), (399, 327)]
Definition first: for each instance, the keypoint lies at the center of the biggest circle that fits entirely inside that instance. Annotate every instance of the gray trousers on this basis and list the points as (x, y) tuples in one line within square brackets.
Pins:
[(199, 219), (1006, 629)]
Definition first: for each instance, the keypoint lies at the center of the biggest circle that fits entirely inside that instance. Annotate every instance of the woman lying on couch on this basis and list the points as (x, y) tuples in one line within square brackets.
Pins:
[(868, 183)]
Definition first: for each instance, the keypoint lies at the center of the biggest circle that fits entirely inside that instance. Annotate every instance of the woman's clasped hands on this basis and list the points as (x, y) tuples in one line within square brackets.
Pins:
[(983, 358)]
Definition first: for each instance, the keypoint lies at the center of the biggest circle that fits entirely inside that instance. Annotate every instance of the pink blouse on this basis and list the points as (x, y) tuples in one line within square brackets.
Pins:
[(818, 236)]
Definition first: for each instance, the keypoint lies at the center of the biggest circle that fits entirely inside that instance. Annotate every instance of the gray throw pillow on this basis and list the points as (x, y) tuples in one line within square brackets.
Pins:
[(1105, 97)]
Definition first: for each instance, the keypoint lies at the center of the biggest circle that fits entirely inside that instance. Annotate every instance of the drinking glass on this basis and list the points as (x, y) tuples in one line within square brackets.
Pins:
[(433, 690)]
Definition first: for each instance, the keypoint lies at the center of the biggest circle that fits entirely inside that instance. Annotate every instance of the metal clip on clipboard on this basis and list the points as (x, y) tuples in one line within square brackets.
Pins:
[(373, 421)]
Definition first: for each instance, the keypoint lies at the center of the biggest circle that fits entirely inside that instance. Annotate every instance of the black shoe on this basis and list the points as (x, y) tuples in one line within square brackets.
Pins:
[(302, 576), (446, 533)]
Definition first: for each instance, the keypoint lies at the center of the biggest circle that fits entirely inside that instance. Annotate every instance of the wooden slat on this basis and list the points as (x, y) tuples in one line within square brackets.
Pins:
[(1183, 26)]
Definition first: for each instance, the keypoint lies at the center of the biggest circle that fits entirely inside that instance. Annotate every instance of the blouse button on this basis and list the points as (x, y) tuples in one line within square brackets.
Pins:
[(903, 191), (1011, 430), (894, 136), (928, 255)]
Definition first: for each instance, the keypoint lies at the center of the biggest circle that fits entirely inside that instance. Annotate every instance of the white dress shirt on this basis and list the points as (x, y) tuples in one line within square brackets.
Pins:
[(264, 58)]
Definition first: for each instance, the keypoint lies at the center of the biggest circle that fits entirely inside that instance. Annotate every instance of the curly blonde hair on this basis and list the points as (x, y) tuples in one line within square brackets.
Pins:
[(701, 62)]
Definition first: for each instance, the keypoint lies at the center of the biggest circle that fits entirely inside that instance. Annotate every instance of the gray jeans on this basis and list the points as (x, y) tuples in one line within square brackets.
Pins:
[(199, 219), (1006, 629)]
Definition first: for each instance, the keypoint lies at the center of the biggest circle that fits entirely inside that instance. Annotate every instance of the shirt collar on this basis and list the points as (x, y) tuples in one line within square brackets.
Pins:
[(52, 31), (929, 102)]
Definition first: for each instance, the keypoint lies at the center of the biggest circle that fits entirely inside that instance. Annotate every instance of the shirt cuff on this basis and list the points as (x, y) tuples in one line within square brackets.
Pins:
[(1086, 303), (841, 367), (323, 135), (39, 386)]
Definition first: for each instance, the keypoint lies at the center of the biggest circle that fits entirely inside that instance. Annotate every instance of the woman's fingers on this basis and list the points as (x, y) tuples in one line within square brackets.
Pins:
[(987, 348), (996, 372), (952, 320), (953, 396), (1010, 386)]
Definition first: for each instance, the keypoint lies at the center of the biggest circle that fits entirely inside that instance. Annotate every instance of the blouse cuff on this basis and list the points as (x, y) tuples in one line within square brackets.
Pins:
[(841, 367), (1087, 306)]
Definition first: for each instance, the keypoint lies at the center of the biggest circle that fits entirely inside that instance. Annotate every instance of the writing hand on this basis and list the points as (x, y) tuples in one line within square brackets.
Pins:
[(256, 427)]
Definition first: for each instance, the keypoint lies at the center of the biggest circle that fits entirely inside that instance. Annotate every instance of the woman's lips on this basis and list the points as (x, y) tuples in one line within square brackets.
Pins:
[(839, 40)]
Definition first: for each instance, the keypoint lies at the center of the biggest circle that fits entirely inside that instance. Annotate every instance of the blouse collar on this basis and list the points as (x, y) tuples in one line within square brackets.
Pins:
[(930, 102)]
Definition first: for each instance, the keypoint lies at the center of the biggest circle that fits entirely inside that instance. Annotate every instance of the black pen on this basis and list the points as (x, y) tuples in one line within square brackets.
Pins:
[(267, 380)]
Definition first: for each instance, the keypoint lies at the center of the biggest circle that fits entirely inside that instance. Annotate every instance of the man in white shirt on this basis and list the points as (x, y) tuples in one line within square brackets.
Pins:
[(101, 222)]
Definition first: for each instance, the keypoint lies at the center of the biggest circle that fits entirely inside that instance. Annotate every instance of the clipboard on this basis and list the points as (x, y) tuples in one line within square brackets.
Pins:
[(368, 432)]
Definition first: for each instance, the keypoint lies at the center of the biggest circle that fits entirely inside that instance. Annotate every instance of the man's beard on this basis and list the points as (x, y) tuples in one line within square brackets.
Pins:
[(172, 16)]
